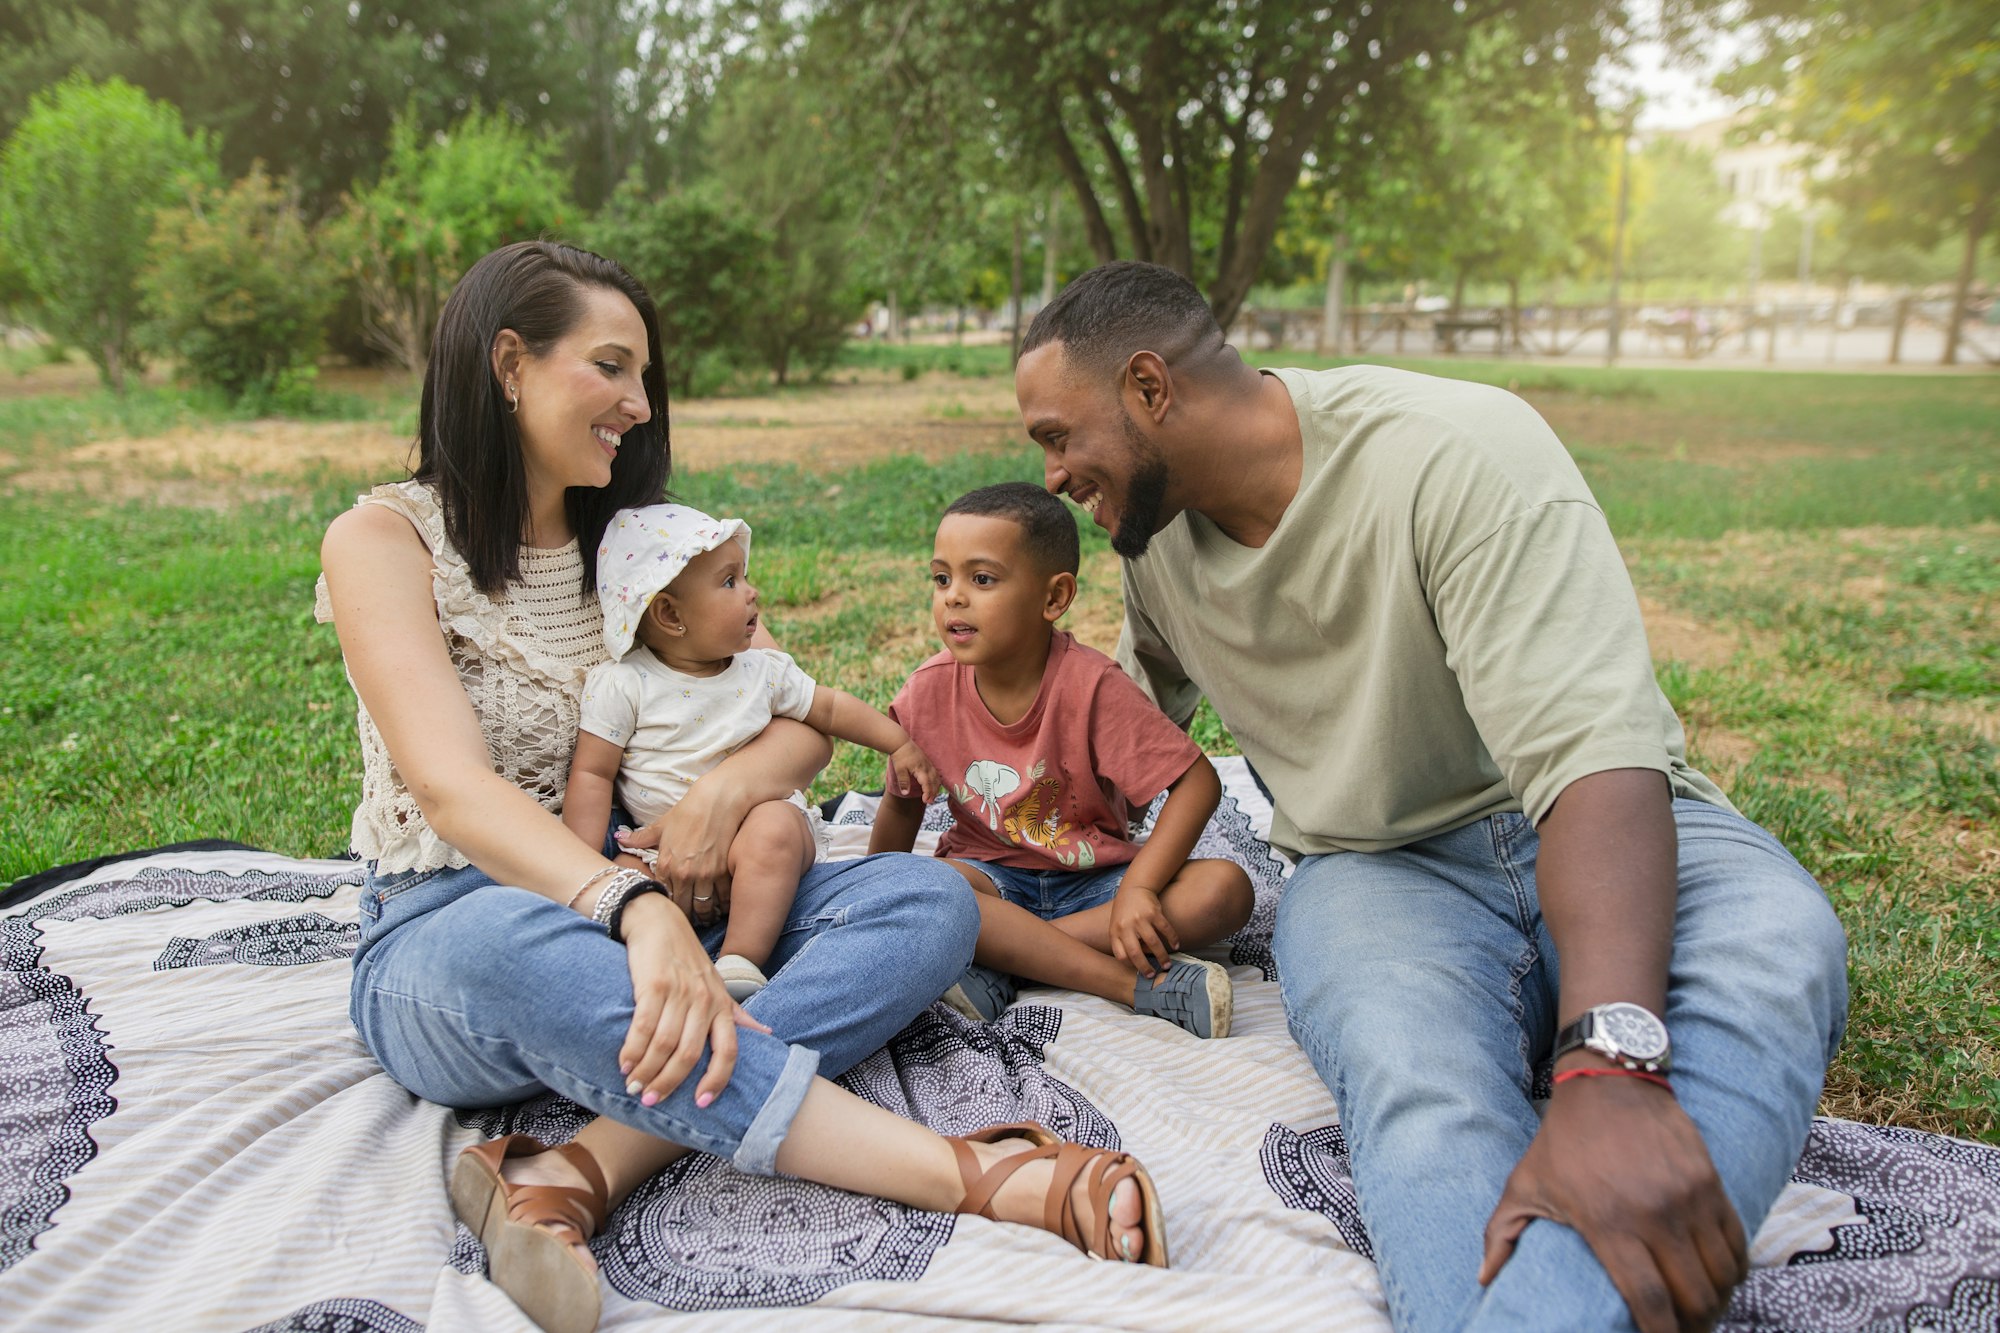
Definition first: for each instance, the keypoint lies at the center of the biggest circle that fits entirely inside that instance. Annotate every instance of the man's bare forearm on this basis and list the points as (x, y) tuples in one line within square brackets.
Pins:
[(1607, 879)]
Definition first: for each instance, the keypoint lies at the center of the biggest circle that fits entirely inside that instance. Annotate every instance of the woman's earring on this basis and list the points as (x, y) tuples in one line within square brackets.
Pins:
[(513, 397)]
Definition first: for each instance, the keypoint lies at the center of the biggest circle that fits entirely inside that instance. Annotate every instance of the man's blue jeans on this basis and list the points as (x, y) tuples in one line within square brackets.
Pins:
[(1422, 982), (474, 994)]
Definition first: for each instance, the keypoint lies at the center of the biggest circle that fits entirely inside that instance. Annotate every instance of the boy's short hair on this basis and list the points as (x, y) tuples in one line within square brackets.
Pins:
[(1048, 533)]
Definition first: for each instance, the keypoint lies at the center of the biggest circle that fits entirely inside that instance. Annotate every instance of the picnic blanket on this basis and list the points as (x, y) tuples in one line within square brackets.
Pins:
[(192, 1137)]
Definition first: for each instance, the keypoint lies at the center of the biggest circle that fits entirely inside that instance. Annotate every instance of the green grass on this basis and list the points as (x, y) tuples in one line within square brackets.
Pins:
[(1836, 539)]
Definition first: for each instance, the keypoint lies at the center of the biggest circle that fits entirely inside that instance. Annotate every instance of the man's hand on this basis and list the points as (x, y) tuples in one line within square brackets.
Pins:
[(1141, 935), (1617, 1160)]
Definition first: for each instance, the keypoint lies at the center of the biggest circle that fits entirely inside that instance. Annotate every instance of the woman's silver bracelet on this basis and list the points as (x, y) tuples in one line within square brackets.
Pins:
[(621, 886), (584, 887)]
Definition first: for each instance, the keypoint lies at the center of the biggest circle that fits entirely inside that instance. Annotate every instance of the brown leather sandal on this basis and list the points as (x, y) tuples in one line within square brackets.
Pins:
[(528, 1230), (1103, 1169)]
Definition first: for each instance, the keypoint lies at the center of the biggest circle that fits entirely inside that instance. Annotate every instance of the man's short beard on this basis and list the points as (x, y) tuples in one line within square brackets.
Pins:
[(1145, 494)]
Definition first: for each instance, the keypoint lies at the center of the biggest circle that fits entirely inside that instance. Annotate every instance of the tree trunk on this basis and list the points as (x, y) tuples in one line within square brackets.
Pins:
[(1049, 246), (1458, 293), (1121, 177), (1514, 314), (1295, 123), (1336, 289), (1095, 228), (1975, 232), (1014, 296)]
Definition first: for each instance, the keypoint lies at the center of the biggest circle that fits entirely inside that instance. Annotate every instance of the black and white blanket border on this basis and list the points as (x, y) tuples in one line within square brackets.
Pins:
[(1883, 1228)]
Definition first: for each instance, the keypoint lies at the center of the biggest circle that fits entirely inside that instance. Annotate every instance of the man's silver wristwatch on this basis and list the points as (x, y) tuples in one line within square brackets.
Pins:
[(1625, 1034)]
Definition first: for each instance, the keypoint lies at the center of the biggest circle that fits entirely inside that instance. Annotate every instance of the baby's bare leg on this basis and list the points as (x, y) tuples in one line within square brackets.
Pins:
[(772, 849)]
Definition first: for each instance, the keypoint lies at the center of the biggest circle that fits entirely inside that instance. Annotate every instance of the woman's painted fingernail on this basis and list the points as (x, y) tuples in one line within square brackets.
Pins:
[(624, 1066), (634, 1088), (649, 1099), (704, 1099), (1128, 1246)]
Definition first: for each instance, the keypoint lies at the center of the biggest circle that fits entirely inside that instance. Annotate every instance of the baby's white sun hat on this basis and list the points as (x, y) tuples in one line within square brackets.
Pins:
[(643, 551)]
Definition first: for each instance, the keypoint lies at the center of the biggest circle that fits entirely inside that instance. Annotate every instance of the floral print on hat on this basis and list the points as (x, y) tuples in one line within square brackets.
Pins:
[(642, 552)]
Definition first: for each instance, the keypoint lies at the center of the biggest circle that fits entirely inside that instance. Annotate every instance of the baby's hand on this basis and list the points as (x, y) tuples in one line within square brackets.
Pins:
[(912, 764)]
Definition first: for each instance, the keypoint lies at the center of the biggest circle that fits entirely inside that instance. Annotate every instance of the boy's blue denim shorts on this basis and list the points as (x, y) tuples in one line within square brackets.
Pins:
[(1051, 893)]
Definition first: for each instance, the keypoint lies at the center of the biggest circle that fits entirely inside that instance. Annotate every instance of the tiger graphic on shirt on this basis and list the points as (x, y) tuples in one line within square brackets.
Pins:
[(1033, 821)]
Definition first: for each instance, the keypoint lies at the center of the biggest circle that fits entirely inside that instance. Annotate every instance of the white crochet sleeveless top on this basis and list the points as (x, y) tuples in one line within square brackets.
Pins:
[(521, 656)]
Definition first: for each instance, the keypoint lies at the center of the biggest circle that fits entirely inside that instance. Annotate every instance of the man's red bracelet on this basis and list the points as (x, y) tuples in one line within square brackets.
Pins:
[(1568, 1074)]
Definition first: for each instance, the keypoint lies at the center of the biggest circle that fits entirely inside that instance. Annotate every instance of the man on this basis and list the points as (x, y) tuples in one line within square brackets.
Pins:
[(1401, 598)]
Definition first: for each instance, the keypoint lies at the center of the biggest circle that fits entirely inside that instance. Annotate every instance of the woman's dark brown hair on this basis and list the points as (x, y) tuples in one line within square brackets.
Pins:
[(468, 445)]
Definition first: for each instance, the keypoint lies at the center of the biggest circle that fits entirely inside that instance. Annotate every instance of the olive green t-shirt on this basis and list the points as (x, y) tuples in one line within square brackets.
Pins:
[(1440, 628)]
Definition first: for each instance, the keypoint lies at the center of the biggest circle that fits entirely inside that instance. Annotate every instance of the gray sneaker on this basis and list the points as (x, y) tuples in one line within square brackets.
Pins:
[(982, 994), (1192, 993)]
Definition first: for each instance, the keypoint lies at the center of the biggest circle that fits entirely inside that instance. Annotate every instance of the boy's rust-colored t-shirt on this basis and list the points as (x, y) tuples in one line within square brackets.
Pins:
[(1055, 790)]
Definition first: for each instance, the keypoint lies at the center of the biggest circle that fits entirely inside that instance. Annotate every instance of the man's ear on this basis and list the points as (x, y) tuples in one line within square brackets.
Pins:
[(509, 350), (1149, 386), (1056, 598)]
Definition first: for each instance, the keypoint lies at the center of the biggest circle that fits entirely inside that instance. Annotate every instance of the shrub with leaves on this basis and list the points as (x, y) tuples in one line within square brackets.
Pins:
[(703, 261), (81, 180), (441, 202), (238, 288)]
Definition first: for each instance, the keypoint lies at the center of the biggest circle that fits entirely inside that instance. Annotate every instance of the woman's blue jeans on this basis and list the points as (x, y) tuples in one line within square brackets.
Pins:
[(1422, 982), (474, 994)]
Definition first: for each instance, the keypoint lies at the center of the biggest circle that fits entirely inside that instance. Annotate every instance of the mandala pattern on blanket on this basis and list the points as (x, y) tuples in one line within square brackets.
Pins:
[(1314, 1173), (1922, 1254), (55, 1067), (704, 1236), (1230, 836), (290, 942), (342, 1316)]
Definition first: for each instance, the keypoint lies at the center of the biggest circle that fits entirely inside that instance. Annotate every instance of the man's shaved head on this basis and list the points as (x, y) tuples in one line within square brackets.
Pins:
[(1114, 310)]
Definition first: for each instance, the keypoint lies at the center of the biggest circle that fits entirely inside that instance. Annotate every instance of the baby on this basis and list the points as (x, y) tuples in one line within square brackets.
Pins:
[(687, 695)]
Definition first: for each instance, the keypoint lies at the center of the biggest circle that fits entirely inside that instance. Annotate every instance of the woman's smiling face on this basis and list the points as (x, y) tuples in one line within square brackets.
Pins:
[(577, 400)]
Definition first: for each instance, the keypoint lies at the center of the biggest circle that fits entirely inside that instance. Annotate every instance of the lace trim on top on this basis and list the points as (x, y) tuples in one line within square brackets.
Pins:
[(521, 657)]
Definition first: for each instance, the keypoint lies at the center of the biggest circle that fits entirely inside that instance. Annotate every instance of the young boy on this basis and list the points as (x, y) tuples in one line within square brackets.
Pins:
[(1046, 747), (689, 693)]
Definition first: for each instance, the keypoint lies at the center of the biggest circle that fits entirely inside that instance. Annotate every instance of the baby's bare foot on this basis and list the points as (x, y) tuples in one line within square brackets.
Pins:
[(549, 1169), (1021, 1198)]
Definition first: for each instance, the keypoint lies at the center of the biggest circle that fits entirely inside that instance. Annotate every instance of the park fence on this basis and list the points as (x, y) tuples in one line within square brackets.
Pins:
[(1892, 331)]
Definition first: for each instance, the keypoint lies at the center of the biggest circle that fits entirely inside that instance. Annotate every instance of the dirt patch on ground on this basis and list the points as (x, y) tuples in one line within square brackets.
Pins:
[(1681, 637), (836, 425)]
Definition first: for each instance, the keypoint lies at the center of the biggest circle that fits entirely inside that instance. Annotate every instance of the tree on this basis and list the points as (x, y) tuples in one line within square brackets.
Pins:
[(1677, 229), (441, 202), (777, 158), (702, 260), (1188, 124), (238, 287), (1494, 171), (311, 89), (81, 180), (1900, 101)]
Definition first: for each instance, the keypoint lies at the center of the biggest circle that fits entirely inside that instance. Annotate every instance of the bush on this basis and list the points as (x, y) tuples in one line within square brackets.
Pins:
[(238, 288), (704, 263), (81, 180), (440, 203)]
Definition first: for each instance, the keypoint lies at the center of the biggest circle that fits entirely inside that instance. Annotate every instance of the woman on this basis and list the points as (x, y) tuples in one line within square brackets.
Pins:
[(464, 604)]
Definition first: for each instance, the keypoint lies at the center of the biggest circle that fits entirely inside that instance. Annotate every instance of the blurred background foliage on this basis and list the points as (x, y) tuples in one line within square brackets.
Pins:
[(782, 172)]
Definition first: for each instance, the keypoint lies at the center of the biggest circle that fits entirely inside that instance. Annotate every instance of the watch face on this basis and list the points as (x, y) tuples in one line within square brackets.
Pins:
[(1636, 1032)]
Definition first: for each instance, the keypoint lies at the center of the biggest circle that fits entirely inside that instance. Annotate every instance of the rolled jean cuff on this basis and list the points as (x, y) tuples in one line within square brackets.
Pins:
[(757, 1152)]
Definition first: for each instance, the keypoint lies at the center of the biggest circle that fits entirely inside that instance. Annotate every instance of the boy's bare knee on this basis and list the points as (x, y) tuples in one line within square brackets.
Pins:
[(1210, 899)]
